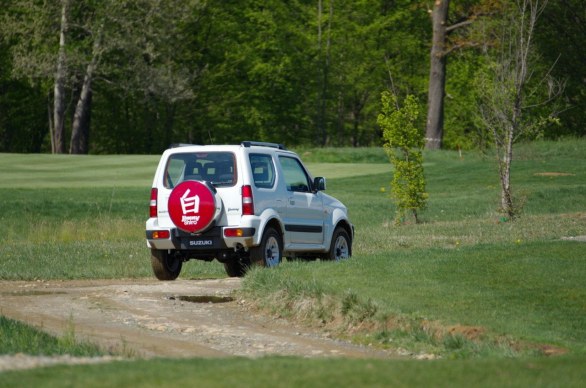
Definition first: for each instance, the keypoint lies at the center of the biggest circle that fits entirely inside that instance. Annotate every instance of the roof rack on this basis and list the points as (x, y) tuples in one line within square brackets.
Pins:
[(175, 145), (248, 144)]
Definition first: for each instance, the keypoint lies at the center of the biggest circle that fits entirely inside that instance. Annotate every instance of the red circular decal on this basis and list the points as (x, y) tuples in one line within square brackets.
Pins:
[(192, 206)]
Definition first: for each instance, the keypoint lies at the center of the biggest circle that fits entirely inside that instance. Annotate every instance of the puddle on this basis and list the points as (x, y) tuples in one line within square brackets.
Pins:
[(205, 299)]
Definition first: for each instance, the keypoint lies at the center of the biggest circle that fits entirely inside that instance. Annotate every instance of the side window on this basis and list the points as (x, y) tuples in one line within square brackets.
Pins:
[(174, 172), (263, 170), (295, 175)]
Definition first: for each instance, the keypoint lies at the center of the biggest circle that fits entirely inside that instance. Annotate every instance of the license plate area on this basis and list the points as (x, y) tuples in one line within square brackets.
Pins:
[(198, 243)]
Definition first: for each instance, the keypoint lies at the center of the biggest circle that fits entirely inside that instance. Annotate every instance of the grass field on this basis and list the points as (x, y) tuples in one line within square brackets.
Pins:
[(490, 298), (296, 372)]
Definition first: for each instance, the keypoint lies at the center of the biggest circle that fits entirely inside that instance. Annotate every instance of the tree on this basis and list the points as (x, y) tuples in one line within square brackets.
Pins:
[(404, 143), (437, 76), (145, 73), (22, 126), (69, 45), (57, 128), (324, 57), (445, 41), (560, 40), (37, 60), (151, 72), (512, 92), (370, 44), (80, 129)]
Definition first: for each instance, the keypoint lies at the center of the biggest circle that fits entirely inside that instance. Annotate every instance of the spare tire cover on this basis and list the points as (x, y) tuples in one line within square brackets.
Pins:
[(192, 206)]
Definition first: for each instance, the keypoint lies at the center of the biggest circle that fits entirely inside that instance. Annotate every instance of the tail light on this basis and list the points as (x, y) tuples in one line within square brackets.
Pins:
[(247, 202), (239, 232), (161, 234), (153, 203)]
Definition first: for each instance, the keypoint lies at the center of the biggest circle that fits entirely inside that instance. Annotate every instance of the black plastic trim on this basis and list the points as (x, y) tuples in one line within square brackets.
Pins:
[(248, 144), (304, 228)]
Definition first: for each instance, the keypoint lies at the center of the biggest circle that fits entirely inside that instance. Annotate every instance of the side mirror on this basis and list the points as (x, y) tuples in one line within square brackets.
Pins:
[(319, 183)]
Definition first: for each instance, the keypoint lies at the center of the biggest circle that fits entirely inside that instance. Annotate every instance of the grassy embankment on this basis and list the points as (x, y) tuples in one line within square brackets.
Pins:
[(462, 284)]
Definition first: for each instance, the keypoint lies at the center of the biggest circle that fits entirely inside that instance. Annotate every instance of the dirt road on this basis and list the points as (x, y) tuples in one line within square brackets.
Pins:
[(148, 318)]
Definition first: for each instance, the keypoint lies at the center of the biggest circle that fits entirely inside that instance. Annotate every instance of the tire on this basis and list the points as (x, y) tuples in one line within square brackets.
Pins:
[(194, 206), (235, 268), (166, 266), (270, 251), (341, 246)]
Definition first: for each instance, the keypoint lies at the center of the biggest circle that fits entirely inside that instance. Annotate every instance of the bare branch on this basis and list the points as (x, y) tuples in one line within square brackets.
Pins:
[(459, 25), (460, 46)]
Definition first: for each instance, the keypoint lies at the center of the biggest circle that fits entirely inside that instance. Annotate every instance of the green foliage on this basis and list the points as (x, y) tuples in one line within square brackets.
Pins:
[(461, 126), (22, 122), (404, 144), (222, 72), (16, 337), (562, 53)]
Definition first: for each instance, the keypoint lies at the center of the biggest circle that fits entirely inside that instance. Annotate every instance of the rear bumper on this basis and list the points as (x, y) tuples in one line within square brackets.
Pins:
[(212, 240)]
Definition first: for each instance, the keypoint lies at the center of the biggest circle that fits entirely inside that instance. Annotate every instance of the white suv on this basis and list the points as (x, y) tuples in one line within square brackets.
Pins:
[(244, 204)]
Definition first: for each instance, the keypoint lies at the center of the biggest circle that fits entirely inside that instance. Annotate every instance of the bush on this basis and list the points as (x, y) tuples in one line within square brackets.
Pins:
[(404, 144)]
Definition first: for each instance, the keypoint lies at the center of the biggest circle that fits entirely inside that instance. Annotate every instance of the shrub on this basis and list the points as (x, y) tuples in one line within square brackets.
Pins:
[(404, 143)]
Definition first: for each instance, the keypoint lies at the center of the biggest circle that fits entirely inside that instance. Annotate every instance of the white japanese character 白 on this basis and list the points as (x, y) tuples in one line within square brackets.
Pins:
[(189, 204)]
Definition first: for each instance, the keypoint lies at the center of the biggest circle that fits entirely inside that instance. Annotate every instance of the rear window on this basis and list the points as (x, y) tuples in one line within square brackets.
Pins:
[(218, 168)]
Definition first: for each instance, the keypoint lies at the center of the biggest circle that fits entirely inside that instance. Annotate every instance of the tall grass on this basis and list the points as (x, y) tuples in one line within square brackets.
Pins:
[(16, 337), (59, 233)]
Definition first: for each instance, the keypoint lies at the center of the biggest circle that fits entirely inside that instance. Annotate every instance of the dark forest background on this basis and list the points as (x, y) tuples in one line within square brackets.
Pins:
[(135, 76)]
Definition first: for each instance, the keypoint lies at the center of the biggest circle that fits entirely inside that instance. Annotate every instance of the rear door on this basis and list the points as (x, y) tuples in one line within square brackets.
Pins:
[(304, 214), (216, 167)]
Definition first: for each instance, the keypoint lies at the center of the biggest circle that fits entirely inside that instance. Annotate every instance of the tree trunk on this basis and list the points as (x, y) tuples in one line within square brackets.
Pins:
[(509, 138), (51, 127), (58, 138), (324, 72), (81, 118), (437, 77), (505, 173), (81, 123)]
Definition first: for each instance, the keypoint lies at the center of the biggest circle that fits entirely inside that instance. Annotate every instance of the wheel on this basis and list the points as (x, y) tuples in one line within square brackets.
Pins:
[(194, 206), (166, 266), (270, 251), (341, 247), (235, 268)]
